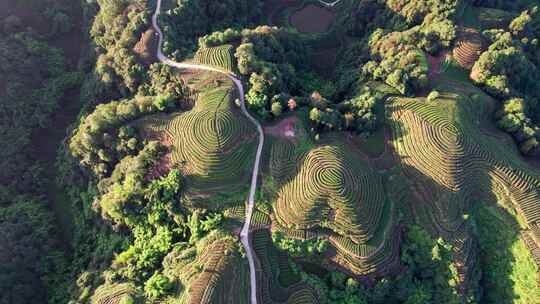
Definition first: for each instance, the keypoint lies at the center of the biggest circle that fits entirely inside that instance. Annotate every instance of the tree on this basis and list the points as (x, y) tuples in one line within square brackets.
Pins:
[(338, 279), (157, 286), (33, 266), (433, 95), (419, 296), (520, 23), (292, 104), (164, 103), (245, 56), (61, 22), (315, 115), (277, 109), (530, 146)]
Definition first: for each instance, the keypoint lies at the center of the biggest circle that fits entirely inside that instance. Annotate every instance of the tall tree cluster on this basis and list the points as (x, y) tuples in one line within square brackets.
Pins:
[(508, 70)]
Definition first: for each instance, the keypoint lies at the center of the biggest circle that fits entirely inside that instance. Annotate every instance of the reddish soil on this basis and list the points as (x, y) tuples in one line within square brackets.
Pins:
[(164, 164), (146, 47), (474, 74), (312, 19), (283, 129)]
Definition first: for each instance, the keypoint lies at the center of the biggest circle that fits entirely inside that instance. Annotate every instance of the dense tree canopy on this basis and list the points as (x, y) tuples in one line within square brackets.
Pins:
[(508, 70), (137, 213), (191, 19), (35, 78), (115, 31), (32, 262)]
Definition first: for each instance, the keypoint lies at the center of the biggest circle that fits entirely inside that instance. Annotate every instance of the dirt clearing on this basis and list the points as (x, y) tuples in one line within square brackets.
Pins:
[(283, 129), (312, 19)]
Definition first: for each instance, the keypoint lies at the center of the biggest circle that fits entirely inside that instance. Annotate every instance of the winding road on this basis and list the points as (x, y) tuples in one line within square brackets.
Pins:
[(244, 234)]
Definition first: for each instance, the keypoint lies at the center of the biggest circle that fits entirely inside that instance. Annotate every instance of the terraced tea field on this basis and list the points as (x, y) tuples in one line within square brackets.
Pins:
[(113, 294), (212, 142), (213, 272), (327, 190), (469, 46), (279, 283), (220, 57), (454, 164), (334, 198)]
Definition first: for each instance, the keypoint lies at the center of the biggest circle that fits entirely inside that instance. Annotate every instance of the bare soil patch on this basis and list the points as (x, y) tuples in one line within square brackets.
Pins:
[(312, 19), (283, 129), (146, 46), (164, 165)]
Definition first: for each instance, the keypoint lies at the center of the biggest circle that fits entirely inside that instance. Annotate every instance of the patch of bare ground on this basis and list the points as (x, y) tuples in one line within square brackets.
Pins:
[(146, 46), (199, 80), (312, 19), (283, 129), (164, 165)]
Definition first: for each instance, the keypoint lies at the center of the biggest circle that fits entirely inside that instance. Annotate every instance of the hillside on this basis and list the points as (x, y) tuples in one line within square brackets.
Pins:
[(270, 152)]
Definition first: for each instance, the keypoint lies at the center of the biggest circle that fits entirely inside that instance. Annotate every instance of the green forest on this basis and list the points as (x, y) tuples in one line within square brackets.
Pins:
[(269, 151)]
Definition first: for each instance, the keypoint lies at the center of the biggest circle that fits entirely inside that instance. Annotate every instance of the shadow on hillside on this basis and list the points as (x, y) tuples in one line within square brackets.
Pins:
[(497, 231), (473, 216)]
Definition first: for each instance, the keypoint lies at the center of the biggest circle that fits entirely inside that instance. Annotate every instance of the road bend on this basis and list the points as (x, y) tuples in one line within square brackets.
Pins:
[(245, 233)]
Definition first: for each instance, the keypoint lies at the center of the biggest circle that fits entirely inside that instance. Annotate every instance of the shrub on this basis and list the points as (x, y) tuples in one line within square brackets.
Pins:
[(157, 286), (433, 95), (164, 102), (277, 109)]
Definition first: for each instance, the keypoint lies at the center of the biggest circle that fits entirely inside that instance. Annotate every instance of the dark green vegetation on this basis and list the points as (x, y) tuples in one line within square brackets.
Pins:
[(384, 177), (37, 74), (508, 71), (186, 21), (510, 269)]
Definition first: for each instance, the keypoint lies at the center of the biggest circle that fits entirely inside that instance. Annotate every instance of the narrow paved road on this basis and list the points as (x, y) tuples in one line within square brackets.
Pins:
[(329, 4), (244, 234)]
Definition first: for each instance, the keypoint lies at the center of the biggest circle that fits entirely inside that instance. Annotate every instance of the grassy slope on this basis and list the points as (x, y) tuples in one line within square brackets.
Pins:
[(510, 274)]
